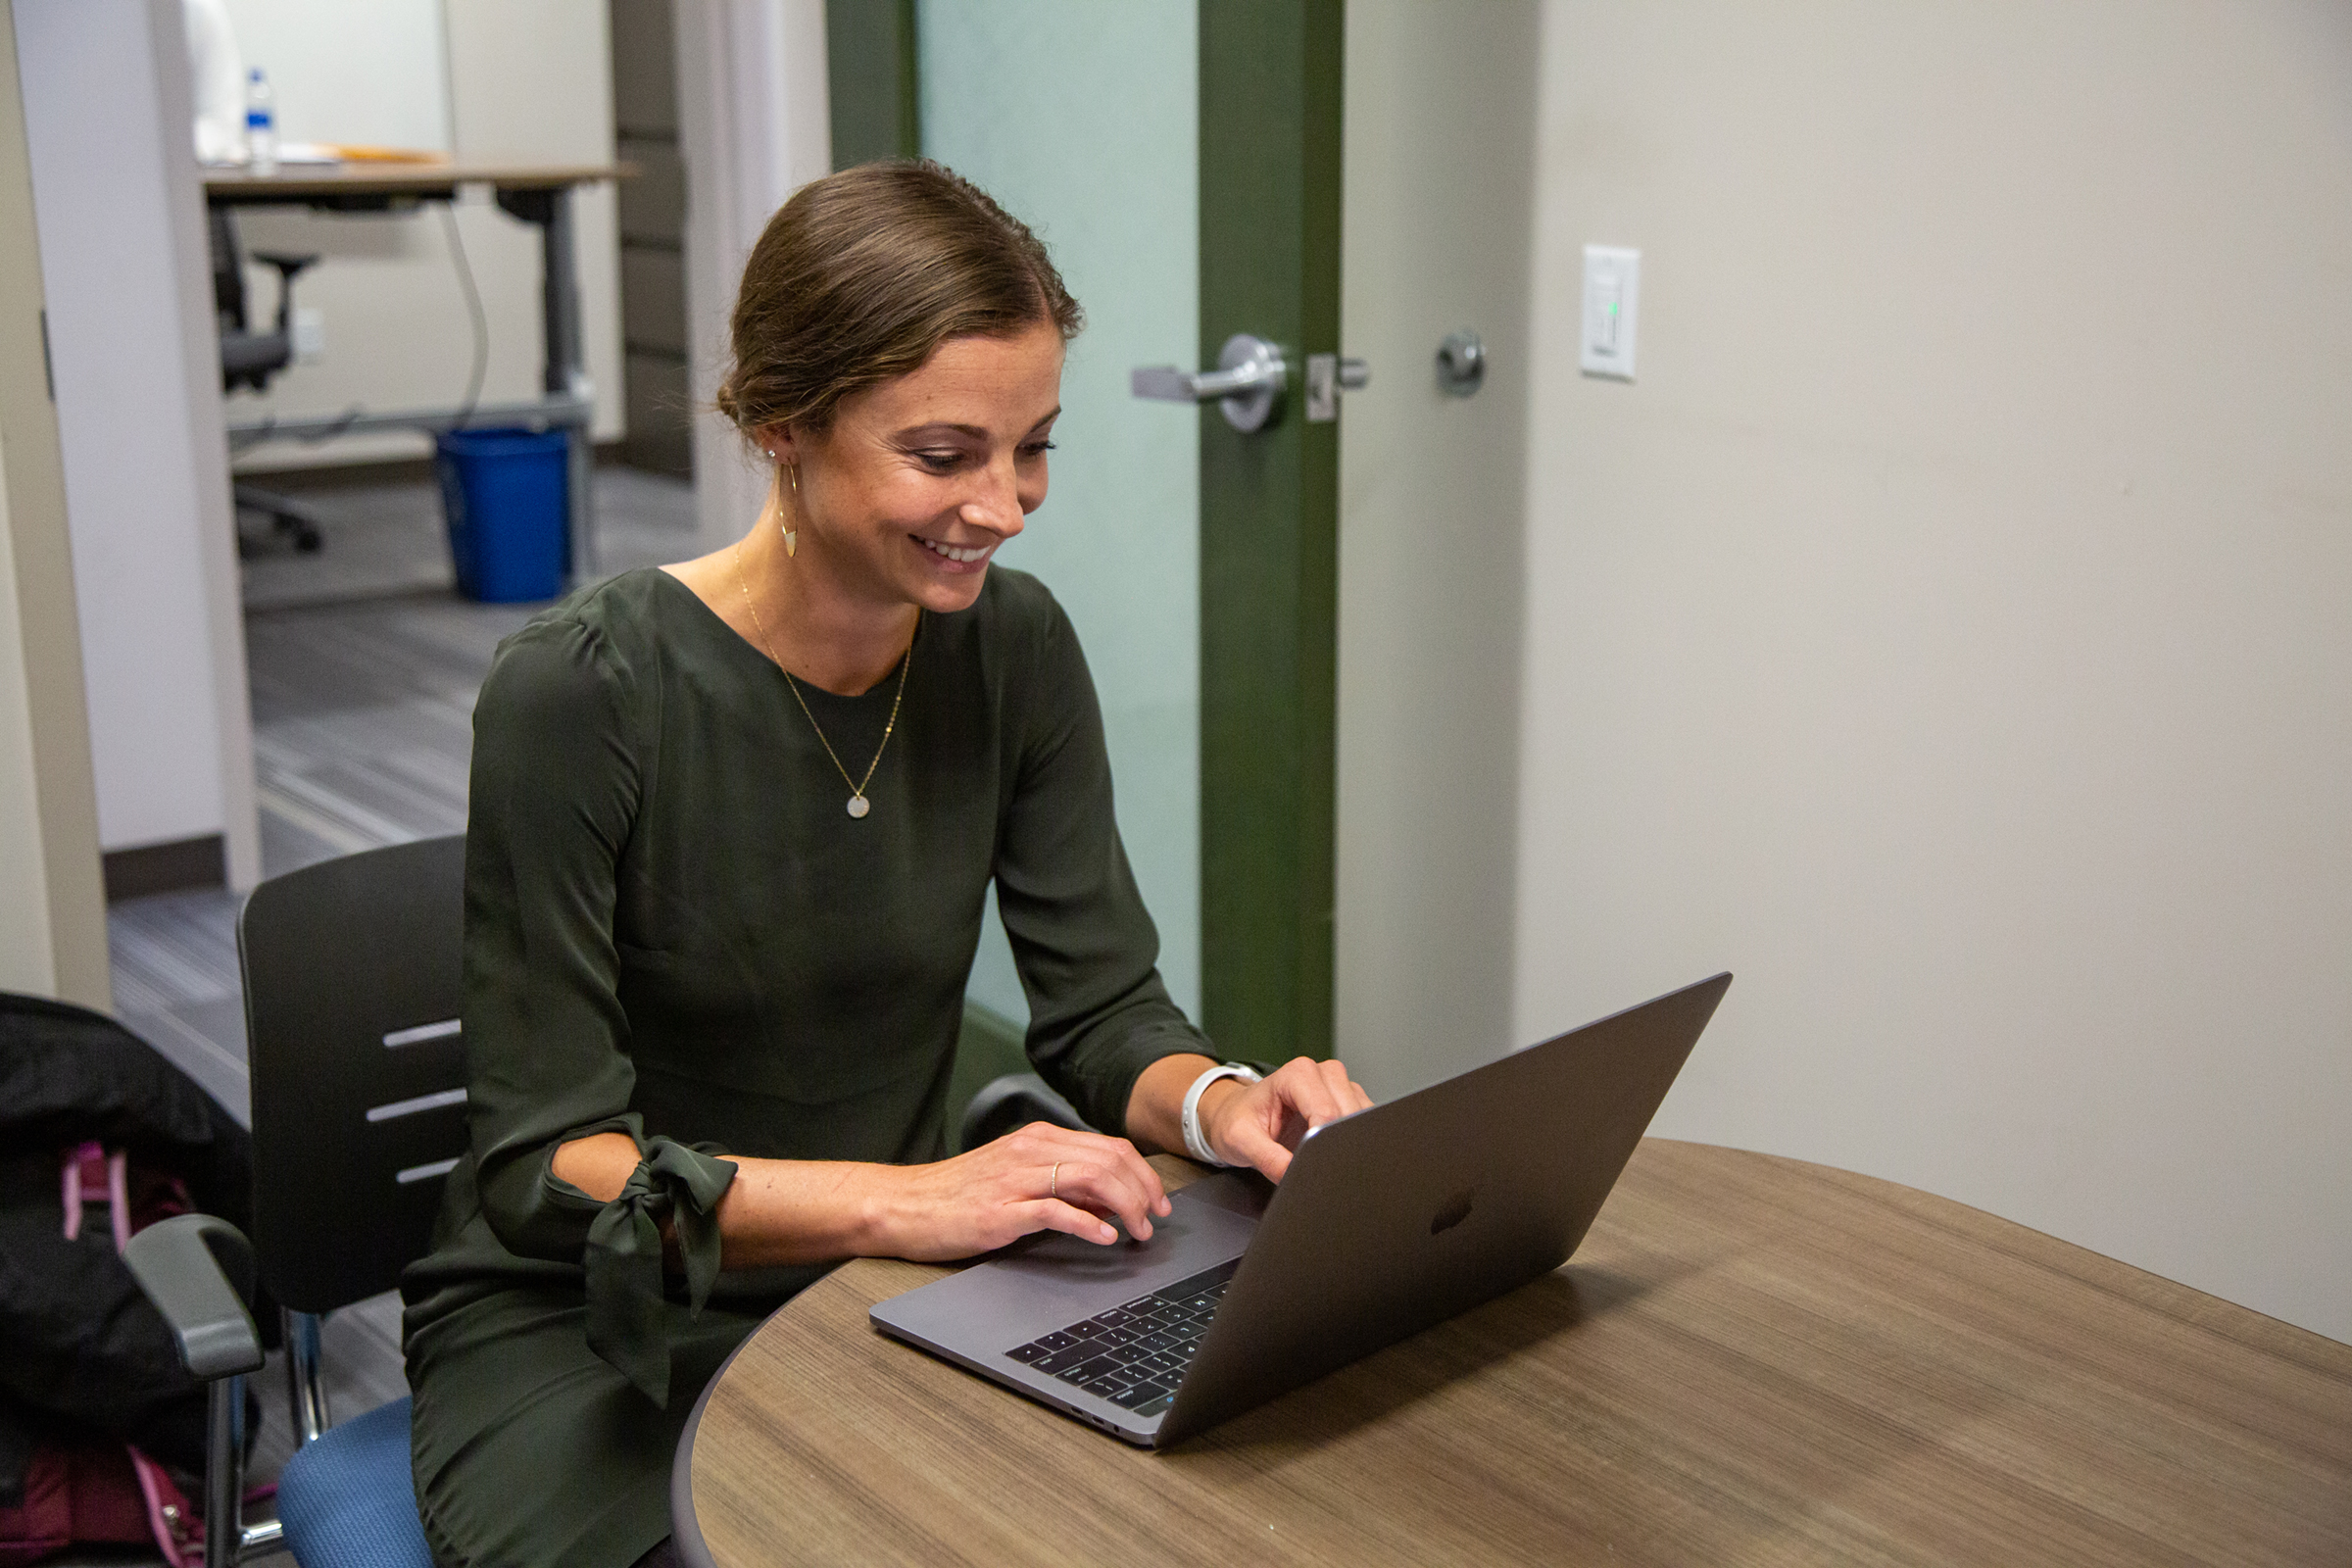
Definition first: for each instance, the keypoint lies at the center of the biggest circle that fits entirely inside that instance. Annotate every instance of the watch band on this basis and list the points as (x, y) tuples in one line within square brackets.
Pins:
[(1195, 1143)]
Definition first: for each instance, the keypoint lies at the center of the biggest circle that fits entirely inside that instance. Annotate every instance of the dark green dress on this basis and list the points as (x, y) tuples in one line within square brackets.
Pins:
[(673, 928)]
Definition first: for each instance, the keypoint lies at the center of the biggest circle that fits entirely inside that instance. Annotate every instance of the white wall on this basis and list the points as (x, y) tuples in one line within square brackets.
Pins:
[(106, 118), (1948, 630), (485, 79), (1432, 535), (753, 128), (374, 72), (52, 906), (29, 938)]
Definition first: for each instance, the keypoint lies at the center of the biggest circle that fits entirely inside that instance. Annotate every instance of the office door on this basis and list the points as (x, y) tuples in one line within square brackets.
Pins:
[(1196, 169)]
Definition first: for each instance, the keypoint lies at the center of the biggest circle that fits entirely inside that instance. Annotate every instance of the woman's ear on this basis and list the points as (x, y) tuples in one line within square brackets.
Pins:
[(776, 440)]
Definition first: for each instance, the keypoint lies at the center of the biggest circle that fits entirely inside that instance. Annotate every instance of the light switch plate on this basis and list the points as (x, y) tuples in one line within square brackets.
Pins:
[(1612, 293)]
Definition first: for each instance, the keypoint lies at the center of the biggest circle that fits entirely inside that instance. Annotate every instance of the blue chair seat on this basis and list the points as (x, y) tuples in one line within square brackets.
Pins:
[(348, 1500)]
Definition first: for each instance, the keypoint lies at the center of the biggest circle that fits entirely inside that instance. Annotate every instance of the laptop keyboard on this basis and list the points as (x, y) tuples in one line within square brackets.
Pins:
[(1134, 1355)]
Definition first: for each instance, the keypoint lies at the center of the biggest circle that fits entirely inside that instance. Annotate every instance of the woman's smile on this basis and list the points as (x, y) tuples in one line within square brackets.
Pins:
[(954, 559)]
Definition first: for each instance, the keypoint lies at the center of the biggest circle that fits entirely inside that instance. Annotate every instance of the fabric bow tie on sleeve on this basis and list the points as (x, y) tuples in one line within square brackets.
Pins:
[(623, 1258)]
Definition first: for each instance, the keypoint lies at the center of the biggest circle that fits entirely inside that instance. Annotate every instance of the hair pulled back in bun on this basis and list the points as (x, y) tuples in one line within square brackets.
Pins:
[(862, 274)]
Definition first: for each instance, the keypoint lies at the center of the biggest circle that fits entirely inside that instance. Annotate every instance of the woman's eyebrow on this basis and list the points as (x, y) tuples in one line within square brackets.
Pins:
[(975, 432)]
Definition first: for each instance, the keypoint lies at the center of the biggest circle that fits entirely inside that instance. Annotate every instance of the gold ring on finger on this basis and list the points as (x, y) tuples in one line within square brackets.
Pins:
[(1053, 1182)]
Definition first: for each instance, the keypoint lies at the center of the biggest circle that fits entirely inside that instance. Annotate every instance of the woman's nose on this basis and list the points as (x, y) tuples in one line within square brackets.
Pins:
[(997, 505)]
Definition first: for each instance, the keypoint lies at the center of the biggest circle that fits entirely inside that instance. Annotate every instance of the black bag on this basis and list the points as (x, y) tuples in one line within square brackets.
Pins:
[(82, 1353)]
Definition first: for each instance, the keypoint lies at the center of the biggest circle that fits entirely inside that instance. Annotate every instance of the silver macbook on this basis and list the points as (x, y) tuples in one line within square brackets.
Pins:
[(1387, 1221)]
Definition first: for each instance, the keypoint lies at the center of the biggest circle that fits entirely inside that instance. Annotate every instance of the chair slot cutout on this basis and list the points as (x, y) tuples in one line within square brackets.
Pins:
[(421, 1033), (410, 1107), (425, 1172)]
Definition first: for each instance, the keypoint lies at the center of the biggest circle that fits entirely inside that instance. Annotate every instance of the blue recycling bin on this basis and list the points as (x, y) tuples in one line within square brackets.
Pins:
[(504, 495)]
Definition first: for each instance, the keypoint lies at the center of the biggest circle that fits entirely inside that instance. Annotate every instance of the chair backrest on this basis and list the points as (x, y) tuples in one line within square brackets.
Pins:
[(228, 269), (358, 1071)]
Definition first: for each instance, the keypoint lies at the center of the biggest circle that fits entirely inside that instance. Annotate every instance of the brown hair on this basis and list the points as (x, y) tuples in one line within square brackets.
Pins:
[(862, 274)]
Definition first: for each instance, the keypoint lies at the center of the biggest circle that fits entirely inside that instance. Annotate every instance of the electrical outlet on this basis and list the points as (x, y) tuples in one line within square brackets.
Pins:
[(310, 334)]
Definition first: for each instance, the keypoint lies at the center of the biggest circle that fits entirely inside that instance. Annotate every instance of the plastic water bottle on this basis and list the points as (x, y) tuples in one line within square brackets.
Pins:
[(261, 123)]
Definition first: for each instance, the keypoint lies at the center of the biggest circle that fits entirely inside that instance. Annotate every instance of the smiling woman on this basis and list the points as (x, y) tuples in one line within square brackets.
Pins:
[(711, 1016)]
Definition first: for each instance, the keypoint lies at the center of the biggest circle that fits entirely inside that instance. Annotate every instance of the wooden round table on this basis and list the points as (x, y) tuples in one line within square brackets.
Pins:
[(1750, 1360)]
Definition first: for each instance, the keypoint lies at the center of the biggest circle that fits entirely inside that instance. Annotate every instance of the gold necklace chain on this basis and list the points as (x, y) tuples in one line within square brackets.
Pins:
[(858, 803)]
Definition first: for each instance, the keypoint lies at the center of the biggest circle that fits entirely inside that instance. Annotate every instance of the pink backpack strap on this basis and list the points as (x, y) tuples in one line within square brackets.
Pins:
[(178, 1531), (117, 1196), (88, 1171), (83, 1173)]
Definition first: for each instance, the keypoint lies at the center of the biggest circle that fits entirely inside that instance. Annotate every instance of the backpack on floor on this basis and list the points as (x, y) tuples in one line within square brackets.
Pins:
[(99, 1138)]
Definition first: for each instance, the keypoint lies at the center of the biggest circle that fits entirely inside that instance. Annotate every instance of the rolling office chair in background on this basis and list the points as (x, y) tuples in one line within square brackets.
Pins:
[(359, 1111), (249, 359), (1011, 1102)]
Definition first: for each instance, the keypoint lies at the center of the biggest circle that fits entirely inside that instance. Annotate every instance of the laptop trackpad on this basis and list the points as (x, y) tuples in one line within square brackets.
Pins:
[(1048, 1280), (1196, 1230)]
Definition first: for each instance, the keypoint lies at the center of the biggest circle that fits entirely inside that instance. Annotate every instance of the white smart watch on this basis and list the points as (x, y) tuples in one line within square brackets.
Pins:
[(1195, 1143)]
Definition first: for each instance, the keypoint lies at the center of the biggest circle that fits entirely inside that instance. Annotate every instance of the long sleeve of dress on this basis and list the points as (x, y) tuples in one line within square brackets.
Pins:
[(1084, 946), (556, 785)]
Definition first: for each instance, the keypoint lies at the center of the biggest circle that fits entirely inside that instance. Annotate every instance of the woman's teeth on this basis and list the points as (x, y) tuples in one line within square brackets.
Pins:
[(950, 552)]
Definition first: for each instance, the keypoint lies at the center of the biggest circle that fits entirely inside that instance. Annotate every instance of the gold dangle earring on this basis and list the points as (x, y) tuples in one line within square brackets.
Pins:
[(792, 535)]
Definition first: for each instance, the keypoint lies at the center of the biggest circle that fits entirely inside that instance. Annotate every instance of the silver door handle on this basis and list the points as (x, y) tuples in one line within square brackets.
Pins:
[(1247, 384), (1168, 384)]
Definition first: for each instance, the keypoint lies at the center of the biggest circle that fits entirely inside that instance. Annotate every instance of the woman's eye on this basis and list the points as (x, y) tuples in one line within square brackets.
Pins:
[(939, 462), (1037, 449)]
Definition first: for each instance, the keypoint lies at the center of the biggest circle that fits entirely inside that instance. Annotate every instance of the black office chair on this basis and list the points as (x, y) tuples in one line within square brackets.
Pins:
[(350, 1004), (250, 359)]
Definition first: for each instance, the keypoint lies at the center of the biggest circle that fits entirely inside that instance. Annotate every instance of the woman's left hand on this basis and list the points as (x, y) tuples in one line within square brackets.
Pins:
[(1262, 1124)]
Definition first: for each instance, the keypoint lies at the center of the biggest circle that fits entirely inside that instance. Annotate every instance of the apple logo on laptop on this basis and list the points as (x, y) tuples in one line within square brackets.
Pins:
[(1455, 1211)]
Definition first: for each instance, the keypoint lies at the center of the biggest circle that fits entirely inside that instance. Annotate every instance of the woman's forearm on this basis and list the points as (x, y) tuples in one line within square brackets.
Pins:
[(1156, 1107), (1038, 1177), (775, 1212)]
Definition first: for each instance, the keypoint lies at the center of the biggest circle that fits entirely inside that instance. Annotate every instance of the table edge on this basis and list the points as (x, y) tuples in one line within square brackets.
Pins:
[(403, 178), (685, 1529)]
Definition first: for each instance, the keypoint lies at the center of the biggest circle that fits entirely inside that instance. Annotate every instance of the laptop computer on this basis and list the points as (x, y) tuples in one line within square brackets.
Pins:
[(1387, 1221)]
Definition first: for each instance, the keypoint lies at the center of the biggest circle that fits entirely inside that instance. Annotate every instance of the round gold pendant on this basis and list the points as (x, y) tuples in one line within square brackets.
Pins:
[(860, 806)]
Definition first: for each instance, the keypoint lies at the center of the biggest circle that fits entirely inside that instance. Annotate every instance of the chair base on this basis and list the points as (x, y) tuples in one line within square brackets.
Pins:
[(286, 515)]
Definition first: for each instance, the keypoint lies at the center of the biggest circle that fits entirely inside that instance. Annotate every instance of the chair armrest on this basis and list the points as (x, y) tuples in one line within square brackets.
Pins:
[(1015, 1100), (185, 1264)]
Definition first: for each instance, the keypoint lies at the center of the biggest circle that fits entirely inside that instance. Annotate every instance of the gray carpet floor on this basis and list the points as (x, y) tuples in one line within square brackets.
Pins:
[(364, 665)]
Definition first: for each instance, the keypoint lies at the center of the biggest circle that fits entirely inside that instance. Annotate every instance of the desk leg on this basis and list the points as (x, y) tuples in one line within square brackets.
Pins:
[(580, 455), (566, 372), (564, 369)]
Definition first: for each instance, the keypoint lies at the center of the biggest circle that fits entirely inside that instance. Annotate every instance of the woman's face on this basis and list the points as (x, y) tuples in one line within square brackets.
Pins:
[(920, 479)]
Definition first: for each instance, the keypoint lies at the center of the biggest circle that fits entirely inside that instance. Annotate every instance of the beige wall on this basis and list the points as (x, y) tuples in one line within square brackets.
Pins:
[(52, 908), (1948, 631), (523, 79), (753, 128), (1430, 535), (107, 107)]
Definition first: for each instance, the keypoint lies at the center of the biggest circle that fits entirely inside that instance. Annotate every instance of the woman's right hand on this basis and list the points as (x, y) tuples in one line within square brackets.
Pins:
[(1039, 1177)]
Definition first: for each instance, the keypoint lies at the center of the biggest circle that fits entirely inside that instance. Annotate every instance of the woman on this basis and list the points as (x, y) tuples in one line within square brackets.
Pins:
[(733, 823)]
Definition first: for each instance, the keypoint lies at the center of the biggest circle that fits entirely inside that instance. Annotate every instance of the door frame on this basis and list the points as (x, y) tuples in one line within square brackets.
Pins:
[(1272, 77)]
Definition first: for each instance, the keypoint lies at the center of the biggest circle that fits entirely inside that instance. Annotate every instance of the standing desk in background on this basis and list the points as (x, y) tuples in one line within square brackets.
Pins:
[(540, 194), (1750, 1360)]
